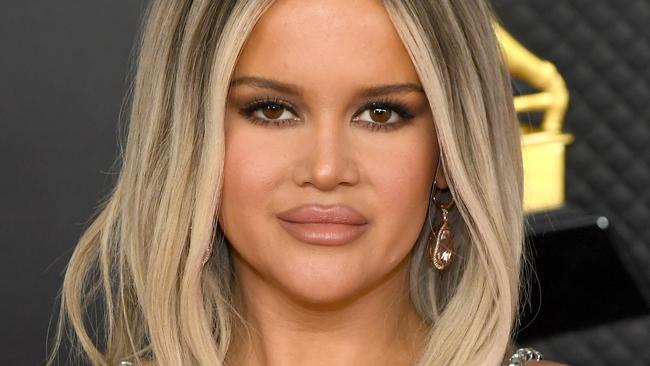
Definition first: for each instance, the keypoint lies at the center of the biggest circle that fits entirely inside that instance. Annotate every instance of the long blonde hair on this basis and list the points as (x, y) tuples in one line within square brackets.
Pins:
[(141, 259)]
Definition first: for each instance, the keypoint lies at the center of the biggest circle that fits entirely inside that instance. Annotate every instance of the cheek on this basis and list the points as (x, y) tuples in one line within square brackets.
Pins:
[(251, 172), (402, 181)]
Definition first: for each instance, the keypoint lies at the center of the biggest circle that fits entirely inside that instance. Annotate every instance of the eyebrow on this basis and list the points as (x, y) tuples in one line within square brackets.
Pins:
[(292, 89)]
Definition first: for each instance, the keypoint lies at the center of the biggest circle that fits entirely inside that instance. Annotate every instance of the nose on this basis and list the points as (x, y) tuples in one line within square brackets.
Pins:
[(328, 155)]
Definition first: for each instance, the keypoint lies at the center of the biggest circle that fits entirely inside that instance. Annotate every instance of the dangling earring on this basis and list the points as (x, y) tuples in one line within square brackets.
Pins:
[(440, 250), (440, 244)]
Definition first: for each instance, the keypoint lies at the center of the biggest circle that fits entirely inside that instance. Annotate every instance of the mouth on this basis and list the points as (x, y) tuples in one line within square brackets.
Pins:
[(324, 233)]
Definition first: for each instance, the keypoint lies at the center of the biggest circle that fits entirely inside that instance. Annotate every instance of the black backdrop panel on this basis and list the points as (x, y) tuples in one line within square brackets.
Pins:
[(602, 49)]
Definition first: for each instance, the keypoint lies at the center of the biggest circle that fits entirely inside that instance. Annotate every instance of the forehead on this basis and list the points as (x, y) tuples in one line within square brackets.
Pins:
[(326, 43)]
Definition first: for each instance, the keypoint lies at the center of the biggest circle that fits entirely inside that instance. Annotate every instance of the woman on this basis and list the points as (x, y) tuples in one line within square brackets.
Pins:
[(310, 183)]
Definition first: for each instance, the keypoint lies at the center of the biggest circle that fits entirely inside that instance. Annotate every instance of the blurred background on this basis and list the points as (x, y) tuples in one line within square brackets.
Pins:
[(64, 71)]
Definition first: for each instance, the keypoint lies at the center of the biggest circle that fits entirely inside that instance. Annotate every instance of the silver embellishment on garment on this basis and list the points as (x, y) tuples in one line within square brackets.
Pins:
[(523, 355)]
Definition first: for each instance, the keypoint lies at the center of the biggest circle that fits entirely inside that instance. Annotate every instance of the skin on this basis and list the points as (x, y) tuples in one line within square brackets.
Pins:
[(311, 304)]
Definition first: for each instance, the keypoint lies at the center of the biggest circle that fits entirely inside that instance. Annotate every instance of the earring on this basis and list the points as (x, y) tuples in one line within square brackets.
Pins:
[(440, 250)]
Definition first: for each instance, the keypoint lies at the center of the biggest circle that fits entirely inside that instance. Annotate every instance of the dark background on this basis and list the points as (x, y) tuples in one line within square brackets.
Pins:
[(63, 76), (64, 69), (602, 49)]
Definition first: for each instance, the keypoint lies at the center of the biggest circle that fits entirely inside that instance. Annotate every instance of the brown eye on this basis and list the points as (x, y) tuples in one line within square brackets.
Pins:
[(383, 115), (380, 115), (269, 111), (272, 111)]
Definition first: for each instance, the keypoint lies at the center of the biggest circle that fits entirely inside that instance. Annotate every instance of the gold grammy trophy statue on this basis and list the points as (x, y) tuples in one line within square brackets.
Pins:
[(543, 146)]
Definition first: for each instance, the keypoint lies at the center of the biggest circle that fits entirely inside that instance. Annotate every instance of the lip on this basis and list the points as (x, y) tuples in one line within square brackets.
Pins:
[(324, 214), (324, 224)]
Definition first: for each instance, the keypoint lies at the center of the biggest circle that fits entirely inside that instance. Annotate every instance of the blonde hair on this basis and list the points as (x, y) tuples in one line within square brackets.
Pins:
[(141, 259)]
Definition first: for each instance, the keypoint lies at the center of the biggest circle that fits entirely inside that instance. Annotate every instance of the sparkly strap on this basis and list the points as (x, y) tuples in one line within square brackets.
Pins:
[(523, 355)]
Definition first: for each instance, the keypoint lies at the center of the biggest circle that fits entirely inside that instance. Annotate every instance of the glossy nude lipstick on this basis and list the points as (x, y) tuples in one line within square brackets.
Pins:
[(324, 224)]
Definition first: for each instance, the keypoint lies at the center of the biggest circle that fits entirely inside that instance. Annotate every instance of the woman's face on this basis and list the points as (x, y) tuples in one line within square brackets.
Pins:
[(301, 128)]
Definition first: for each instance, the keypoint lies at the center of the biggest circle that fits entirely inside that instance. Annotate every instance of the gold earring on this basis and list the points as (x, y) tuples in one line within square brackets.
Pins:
[(440, 251)]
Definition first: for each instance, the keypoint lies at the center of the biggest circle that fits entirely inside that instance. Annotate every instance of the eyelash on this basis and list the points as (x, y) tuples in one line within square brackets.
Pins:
[(385, 103)]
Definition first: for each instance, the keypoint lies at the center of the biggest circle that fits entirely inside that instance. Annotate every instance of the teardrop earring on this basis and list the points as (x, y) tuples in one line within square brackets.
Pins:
[(440, 244)]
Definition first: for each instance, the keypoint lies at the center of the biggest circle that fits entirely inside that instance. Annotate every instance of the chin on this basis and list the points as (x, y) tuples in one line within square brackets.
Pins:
[(323, 298), (330, 285), (323, 287)]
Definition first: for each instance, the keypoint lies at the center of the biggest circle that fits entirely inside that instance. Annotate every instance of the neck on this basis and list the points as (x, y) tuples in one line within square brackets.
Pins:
[(378, 326)]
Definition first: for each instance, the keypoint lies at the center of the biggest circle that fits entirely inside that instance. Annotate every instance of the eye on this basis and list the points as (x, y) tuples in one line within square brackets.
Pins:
[(385, 114), (379, 115), (273, 111), (269, 111)]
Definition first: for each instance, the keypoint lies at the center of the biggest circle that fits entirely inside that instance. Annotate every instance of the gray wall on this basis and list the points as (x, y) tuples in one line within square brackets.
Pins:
[(63, 69)]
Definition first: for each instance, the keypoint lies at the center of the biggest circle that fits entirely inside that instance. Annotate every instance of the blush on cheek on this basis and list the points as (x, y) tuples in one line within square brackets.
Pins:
[(246, 173), (255, 166), (403, 182)]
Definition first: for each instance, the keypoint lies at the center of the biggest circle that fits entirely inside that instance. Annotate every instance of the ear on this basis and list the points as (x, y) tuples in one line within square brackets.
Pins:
[(441, 179)]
